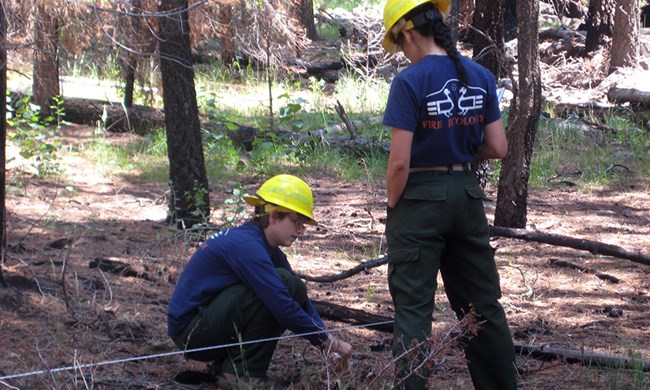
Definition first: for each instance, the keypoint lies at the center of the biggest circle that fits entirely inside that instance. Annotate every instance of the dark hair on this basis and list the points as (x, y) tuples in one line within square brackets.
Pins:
[(429, 22), (261, 216)]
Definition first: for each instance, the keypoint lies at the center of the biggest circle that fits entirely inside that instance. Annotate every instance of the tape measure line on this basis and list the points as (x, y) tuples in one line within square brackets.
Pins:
[(166, 354)]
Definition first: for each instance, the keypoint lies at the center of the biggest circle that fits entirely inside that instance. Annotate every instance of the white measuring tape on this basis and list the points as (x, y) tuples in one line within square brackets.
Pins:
[(159, 355)]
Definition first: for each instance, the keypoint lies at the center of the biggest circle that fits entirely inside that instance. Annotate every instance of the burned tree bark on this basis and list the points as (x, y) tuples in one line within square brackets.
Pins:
[(3, 139), (625, 42), (305, 14), (523, 120), (45, 86), (488, 39), (600, 21), (189, 202)]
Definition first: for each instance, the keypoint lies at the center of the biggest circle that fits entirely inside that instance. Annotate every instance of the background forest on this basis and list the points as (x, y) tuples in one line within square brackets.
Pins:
[(133, 128)]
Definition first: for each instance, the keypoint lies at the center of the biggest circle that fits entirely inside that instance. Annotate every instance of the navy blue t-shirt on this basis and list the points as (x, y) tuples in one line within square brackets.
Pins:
[(447, 118), (240, 255)]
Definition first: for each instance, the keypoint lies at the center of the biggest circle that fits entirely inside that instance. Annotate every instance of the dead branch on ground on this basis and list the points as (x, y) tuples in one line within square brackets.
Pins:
[(598, 274), (589, 359), (352, 129), (594, 247), (363, 267)]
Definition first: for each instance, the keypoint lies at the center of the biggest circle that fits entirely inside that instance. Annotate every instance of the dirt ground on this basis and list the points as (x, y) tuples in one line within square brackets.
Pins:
[(99, 329)]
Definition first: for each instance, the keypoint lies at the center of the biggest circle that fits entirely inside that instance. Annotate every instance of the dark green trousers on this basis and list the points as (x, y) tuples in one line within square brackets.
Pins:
[(439, 225), (237, 315)]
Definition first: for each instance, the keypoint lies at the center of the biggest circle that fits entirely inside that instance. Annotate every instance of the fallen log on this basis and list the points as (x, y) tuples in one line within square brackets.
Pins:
[(589, 359), (111, 116), (629, 85), (336, 312), (598, 274), (142, 120), (594, 247)]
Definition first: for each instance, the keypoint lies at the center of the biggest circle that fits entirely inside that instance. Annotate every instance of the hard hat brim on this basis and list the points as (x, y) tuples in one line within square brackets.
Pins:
[(254, 200)]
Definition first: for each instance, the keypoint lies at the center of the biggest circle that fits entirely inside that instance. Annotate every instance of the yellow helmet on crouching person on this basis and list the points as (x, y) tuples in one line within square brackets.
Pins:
[(394, 22), (285, 193)]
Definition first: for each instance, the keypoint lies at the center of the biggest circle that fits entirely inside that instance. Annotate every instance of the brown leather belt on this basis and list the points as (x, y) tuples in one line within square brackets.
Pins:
[(450, 167)]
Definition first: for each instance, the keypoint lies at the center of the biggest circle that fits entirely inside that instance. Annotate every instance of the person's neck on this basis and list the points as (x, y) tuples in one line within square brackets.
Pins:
[(427, 47)]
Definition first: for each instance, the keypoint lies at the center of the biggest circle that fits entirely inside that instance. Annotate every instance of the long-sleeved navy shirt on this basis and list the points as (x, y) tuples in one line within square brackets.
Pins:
[(240, 255)]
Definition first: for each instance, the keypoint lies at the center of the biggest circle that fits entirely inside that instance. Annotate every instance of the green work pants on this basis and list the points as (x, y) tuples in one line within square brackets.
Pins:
[(236, 315), (439, 224)]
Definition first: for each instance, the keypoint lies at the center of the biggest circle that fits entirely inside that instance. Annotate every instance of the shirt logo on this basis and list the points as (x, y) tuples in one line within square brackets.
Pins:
[(442, 102)]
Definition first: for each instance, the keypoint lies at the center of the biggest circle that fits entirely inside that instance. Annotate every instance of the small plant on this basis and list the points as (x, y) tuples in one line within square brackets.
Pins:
[(290, 112), (196, 201), (35, 136), (235, 209)]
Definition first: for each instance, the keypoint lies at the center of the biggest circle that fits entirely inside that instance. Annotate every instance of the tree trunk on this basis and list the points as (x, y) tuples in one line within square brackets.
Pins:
[(510, 20), (3, 139), (488, 48), (45, 85), (522, 123), (189, 201), (132, 36), (488, 39), (306, 17), (465, 8), (226, 32), (625, 42), (600, 21), (130, 67)]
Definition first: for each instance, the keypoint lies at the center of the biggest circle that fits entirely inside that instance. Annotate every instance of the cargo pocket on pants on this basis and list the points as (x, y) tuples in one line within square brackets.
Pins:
[(475, 192), (401, 257)]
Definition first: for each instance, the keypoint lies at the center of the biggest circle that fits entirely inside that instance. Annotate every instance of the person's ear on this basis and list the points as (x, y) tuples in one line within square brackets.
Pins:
[(273, 216), (406, 35)]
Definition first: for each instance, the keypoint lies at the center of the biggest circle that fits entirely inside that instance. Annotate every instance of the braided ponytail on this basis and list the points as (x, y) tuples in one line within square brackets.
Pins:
[(434, 26)]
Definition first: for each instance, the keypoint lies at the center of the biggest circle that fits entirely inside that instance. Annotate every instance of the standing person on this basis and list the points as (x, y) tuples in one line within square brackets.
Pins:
[(238, 286), (444, 114)]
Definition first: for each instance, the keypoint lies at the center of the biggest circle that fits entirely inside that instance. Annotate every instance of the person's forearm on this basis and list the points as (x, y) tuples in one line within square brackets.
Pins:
[(395, 183), (399, 161)]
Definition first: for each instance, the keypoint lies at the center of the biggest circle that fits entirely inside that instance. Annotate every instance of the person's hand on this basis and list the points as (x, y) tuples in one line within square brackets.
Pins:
[(335, 345), (337, 353)]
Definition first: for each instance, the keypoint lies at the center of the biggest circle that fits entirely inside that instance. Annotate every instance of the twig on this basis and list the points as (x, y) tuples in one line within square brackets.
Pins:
[(63, 269), (438, 346), (110, 291), (40, 356)]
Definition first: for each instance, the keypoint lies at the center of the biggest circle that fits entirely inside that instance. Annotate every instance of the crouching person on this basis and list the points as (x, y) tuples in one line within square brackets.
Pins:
[(239, 287)]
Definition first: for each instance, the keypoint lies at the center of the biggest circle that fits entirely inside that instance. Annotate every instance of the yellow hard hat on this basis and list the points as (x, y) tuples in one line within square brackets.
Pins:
[(288, 192), (394, 12)]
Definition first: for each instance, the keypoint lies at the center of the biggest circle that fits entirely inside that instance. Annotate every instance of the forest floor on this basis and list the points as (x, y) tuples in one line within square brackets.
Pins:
[(108, 330)]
